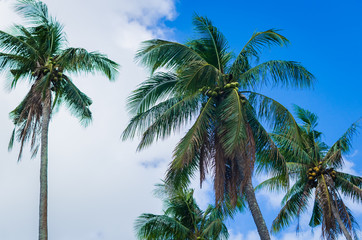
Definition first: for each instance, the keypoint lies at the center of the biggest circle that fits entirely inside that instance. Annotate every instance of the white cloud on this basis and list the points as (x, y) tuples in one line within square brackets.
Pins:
[(98, 184)]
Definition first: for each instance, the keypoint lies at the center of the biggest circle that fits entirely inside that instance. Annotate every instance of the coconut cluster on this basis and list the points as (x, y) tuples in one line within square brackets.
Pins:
[(55, 70), (314, 172), (214, 92)]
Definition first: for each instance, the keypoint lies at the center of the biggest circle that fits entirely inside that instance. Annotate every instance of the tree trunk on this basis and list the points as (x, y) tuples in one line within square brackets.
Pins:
[(43, 205), (255, 211), (340, 223)]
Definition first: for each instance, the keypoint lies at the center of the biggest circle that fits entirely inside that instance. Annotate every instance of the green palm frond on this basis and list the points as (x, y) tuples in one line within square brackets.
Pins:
[(158, 53), (276, 183), (232, 132), (253, 48), (16, 45), (260, 40), (142, 121), (156, 88), (170, 120), (34, 11), (189, 145), (182, 218), (295, 205), (342, 146), (317, 215), (277, 73), (197, 75), (350, 186), (309, 119), (275, 114), (212, 41), (150, 226), (77, 102), (77, 60)]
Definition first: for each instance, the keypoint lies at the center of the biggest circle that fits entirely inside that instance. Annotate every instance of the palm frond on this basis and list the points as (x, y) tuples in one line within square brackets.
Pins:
[(295, 205), (77, 102), (232, 132), (157, 53), (275, 114), (342, 146), (192, 141), (155, 89), (77, 60), (350, 186), (212, 41), (276, 73), (172, 119), (253, 48), (150, 226)]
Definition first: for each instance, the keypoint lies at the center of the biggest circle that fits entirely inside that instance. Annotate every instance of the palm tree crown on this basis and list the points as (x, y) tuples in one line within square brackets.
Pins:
[(182, 219), (38, 53), (315, 169), (208, 87)]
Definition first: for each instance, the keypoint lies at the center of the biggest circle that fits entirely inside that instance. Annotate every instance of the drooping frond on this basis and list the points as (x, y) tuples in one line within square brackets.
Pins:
[(173, 118), (350, 186), (317, 215), (27, 120), (77, 102), (17, 45), (186, 149), (77, 60), (295, 204), (232, 129), (155, 89), (275, 114), (276, 183)]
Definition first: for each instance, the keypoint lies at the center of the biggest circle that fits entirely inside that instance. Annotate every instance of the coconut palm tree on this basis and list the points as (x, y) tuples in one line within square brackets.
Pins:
[(38, 53), (181, 219), (316, 170), (201, 82)]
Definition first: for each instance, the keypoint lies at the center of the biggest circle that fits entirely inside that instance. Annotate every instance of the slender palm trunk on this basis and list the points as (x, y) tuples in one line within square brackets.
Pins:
[(255, 211), (43, 205), (341, 223)]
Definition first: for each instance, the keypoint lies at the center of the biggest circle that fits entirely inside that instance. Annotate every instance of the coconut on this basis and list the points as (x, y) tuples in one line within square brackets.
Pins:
[(227, 85), (310, 178), (313, 173)]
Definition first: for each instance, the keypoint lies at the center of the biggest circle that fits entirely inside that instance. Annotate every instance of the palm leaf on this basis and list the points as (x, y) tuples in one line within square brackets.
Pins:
[(276, 73), (158, 53), (149, 92), (77, 60)]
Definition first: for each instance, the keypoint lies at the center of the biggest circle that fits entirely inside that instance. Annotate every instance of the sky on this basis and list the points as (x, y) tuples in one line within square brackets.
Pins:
[(98, 184)]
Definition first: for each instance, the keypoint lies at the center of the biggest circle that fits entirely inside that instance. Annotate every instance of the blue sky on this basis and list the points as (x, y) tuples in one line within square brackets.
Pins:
[(98, 184), (324, 36)]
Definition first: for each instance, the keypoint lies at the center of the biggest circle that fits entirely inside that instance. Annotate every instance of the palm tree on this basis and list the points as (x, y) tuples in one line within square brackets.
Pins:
[(182, 218), (200, 82), (314, 168), (37, 53)]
